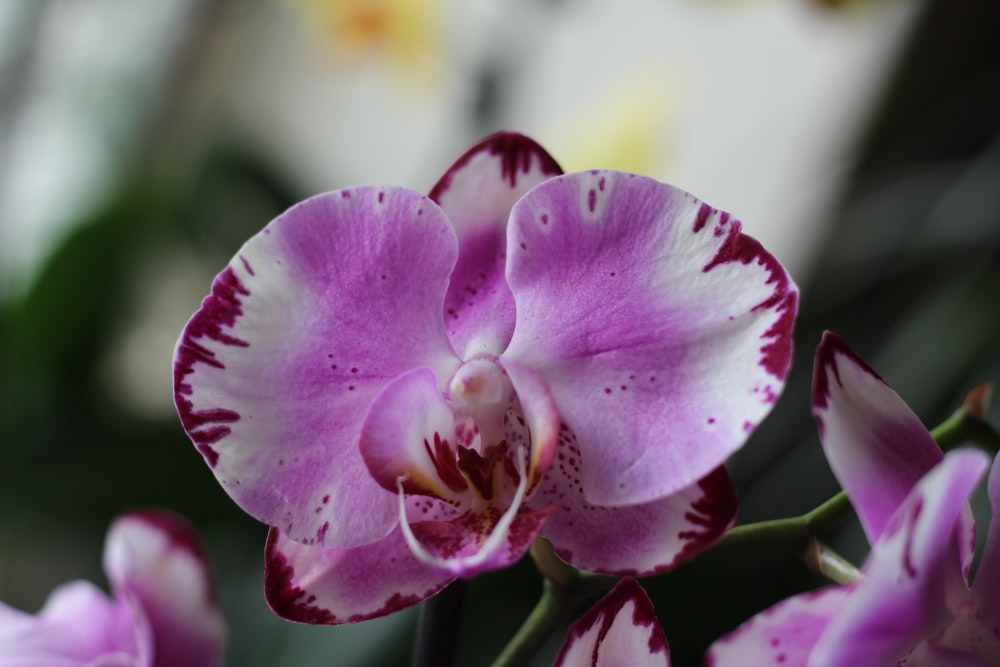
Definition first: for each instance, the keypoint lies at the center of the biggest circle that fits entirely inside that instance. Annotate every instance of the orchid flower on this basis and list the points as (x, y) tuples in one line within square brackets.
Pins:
[(162, 614), (912, 605), (621, 629), (411, 389)]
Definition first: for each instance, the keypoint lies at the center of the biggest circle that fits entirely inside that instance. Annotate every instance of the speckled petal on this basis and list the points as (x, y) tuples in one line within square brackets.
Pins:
[(782, 636), (155, 558), (477, 193), (319, 586), (877, 447), (313, 317), (636, 540), (663, 332), (621, 629), (901, 598)]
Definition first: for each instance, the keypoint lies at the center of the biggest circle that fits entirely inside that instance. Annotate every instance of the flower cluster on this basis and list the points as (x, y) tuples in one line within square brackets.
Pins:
[(913, 605), (162, 613), (422, 385)]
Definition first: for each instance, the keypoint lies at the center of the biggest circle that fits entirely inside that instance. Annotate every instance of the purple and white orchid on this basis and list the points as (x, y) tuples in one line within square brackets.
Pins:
[(621, 629), (421, 386), (163, 611), (912, 605)]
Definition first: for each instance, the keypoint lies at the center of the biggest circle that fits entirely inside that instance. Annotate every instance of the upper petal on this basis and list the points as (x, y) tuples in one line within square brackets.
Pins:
[(783, 635), (274, 374), (876, 446), (477, 193), (663, 332), (156, 559), (319, 586), (902, 597), (621, 629)]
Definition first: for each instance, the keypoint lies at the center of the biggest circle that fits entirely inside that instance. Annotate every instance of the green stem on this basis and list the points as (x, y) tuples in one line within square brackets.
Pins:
[(565, 588)]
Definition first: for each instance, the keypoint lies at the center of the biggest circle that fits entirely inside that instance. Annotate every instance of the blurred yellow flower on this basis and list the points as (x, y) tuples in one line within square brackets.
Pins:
[(405, 33)]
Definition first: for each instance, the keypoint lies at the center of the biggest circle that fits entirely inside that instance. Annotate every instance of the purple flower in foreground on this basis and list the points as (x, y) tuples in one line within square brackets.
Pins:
[(621, 629), (913, 605), (410, 389), (162, 614)]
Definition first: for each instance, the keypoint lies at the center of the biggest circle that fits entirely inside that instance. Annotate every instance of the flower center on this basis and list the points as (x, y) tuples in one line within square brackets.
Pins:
[(481, 392)]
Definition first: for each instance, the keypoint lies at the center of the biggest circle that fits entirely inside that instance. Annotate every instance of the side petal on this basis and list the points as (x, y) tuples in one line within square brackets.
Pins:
[(621, 629), (663, 332), (319, 586), (876, 446), (986, 586), (783, 635), (477, 193), (635, 540), (902, 597), (273, 376), (156, 559)]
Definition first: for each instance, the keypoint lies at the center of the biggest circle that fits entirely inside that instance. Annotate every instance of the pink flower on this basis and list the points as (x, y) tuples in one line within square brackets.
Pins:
[(420, 387), (913, 605), (621, 629), (162, 614)]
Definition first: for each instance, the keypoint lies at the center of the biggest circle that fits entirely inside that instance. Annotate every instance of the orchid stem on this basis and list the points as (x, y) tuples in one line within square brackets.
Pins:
[(437, 627), (565, 588)]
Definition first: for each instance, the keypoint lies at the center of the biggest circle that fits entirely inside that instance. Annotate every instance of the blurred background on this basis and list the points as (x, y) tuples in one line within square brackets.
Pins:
[(141, 143)]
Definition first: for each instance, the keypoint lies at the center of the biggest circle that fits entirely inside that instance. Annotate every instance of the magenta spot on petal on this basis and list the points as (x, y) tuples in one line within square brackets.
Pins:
[(601, 183), (702, 218), (383, 276), (219, 312), (285, 598), (524, 247), (747, 426), (624, 387), (517, 155), (350, 387), (714, 513), (776, 355), (326, 499), (612, 274), (354, 370), (592, 200), (345, 194), (381, 197), (420, 211), (711, 420), (607, 390), (781, 657), (246, 265), (545, 219)]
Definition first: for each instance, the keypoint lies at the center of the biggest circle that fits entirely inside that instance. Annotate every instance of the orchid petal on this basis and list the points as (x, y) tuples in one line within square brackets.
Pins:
[(663, 332), (274, 374), (901, 598), (635, 540), (621, 629), (783, 635), (157, 558), (477, 193), (927, 655), (79, 626), (986, 586), (876, 446), (312, 584)]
